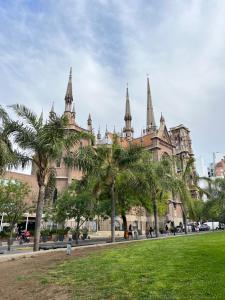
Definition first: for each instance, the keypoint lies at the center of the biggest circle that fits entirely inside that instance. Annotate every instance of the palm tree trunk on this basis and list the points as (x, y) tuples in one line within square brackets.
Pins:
[(10, 239), (184, 220), (77, 232), (113, 208), (155, 209), (39, 211), (124, 225)]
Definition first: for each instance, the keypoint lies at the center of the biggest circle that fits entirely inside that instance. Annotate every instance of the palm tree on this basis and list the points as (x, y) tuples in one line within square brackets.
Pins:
[(153, 184), (109, 162), (8, 156), (43, 143), (214, 207), (183, 182)]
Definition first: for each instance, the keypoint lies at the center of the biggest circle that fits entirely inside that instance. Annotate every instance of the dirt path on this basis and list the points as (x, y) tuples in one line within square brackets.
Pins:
[(20, 279)]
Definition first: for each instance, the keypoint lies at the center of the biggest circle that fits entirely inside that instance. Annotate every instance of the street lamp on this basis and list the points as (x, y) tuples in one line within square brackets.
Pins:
[(27, 216)]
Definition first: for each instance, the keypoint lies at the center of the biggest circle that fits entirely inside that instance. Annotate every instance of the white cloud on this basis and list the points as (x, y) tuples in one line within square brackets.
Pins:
[(180, 44)]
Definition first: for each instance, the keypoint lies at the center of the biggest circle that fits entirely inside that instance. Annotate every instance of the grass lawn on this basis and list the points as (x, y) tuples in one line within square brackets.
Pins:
[(191, 267)]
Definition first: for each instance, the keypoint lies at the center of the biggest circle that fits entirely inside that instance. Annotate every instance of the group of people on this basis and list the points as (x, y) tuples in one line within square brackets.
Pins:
[(132, 233), (173, 229), (23, 236), (149, 231)]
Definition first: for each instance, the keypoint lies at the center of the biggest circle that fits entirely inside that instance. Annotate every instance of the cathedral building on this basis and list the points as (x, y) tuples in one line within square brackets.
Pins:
[(161, 142), (157, 139)]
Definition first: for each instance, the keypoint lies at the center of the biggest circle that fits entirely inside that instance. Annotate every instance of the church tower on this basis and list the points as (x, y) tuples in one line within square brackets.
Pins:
[(89, 123), (128, 130), (69, 107), (150, 120)]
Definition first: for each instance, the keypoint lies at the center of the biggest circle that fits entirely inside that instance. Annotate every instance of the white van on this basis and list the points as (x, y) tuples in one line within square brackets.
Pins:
[(213, 225)]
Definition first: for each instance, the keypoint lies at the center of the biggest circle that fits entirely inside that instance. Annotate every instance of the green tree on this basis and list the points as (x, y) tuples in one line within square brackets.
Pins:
[(43, 143), (8, 156), (12, 203), (128, 197), (183, 183), (75, 203), (108, 162), (214, 206), (154, 184)]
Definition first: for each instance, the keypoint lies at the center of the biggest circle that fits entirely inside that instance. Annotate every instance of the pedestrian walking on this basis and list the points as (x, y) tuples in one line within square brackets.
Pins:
[(69, 246), (151, 231), (130, 233), (166, 229)]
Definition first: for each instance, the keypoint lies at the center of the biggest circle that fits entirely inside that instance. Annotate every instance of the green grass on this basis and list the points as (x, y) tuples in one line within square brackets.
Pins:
[(178, 268)]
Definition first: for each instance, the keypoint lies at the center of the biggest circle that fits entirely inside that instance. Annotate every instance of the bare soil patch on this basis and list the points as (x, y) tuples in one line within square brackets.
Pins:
[(20, 279)]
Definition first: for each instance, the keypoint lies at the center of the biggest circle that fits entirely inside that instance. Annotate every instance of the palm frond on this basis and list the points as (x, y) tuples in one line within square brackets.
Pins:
[(29, 116)]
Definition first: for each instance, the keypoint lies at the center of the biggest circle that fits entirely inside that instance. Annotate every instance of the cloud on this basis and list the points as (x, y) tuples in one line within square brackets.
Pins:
[(108, 43)]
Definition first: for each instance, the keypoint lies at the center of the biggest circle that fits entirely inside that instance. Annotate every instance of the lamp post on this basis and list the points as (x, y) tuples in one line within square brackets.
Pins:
[(27, 220), (1, 221)]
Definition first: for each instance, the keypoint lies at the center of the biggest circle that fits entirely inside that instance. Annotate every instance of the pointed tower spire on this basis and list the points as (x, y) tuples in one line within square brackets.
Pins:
[(162, 119), (69, 94), (89, 123), (128, 130), (150, 122), (89, 119), (52, 108), (99, 135), (52, 111), (106, 132), (127, 116)]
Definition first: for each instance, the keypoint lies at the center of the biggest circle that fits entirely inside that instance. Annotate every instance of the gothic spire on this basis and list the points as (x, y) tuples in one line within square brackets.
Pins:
[(89, 123), (99, 134), (106, 132), (162, 119), (150, 123), (127, 118), (52, 111), (69, 94), (52, 108)]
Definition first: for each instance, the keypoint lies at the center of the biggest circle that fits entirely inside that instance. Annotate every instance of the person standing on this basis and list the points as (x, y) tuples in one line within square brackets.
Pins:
[(151, 231), (69, 246), (130, 233)]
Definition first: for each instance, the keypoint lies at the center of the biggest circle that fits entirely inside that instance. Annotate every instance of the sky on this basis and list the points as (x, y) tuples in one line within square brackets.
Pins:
[(180, 44)]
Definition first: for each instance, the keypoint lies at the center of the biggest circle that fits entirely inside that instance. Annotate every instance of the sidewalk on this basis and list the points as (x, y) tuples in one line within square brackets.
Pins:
[(9, 257)]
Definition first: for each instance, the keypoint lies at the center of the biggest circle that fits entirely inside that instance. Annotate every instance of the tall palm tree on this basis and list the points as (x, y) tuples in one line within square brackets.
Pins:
[(109, 162), (214, 207), (8, 156), (43, 143), (153, 184), (183, 182)]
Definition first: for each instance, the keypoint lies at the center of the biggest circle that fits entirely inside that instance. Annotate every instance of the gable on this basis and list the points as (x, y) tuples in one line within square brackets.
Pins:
[(163, 134)]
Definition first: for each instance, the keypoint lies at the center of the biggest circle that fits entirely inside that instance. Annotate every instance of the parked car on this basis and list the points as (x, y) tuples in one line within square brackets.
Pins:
[(213, 225), (222, 226), (204, 227)]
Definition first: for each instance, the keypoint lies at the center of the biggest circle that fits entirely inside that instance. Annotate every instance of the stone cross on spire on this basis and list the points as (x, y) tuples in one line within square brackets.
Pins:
[(150, 122), (69, 94), (128, 130)]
